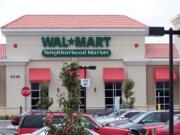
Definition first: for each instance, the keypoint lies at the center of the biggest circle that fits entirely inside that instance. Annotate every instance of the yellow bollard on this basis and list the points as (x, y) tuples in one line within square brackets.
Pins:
[(159, 106)]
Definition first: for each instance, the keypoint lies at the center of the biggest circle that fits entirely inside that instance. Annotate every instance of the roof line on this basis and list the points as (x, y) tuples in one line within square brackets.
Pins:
[(12, 21), (98, 15), (157, 44), (136, 21)]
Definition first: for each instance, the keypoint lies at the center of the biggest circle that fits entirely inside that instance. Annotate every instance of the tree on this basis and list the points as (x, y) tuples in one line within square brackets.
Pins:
[(69, 77), (128, 93), (45, 101), (70, 103)]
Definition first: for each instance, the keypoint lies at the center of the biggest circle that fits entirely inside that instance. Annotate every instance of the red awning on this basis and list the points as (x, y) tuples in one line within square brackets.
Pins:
[(113, 74), (39, 75), (81, 73), (162, 74)]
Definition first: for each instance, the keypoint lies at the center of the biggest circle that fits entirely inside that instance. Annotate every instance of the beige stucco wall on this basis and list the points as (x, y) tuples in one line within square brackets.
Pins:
[(30, 47), (138, 75), (2, 86), (14, 99)]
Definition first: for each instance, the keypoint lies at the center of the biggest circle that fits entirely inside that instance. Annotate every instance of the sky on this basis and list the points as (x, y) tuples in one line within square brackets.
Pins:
[(149, 12)]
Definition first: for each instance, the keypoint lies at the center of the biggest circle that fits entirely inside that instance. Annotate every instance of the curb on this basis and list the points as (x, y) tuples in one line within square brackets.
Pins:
[(5, 120)]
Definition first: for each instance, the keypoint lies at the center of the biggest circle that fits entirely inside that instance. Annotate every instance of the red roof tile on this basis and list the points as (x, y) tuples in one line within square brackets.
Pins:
[(74, 21), (2, 51), (159, 51)]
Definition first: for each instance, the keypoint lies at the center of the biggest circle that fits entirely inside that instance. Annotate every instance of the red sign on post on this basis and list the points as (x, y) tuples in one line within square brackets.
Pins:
[(25, 91)]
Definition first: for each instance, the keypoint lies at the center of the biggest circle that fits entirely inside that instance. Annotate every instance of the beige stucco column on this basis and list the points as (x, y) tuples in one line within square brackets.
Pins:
[(15, 80), (137, 72)]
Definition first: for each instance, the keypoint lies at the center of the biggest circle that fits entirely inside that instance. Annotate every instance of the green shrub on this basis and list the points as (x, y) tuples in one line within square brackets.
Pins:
[(5, 117), (129, 100)]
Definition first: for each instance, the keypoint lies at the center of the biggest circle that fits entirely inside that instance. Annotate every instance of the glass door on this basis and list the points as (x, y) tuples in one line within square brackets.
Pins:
[(83, 100)]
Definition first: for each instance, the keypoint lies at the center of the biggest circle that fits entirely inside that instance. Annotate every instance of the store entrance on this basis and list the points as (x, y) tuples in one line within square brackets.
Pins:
[(83, 100)]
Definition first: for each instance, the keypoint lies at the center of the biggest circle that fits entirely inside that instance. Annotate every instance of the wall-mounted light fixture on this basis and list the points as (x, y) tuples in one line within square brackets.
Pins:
[(136, 45), (58, 90), (94, 89)]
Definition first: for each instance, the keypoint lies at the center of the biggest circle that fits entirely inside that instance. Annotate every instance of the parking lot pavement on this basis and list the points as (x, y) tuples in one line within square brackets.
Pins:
[(4, 123), (6, 128), (7, 132)]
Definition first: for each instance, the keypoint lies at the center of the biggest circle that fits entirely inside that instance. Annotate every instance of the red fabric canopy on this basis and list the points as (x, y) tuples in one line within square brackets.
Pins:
[(113, 74), (39, 75), (81, 73), (162, 74)]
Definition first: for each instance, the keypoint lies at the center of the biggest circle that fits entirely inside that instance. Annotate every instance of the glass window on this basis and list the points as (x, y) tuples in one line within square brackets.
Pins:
[(152, 118), (118, 85), (162, 107), (32, 121), (167, 93), (108, 85), (118, 93), (161, 100), (35, 94), (34, 101), (162, 95), (166, 84), (82, 93), (164, 116), (159, 93), (109, 93), (131, 114), (34, 86), (112, 89), (166, 107), (83, 100), (109, 100), (166, 100), (82, 88), (58, 119), (159, 85), (87, 123)]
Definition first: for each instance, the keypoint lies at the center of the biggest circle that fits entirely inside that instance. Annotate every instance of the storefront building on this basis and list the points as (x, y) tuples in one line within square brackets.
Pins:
[(38, 45)]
